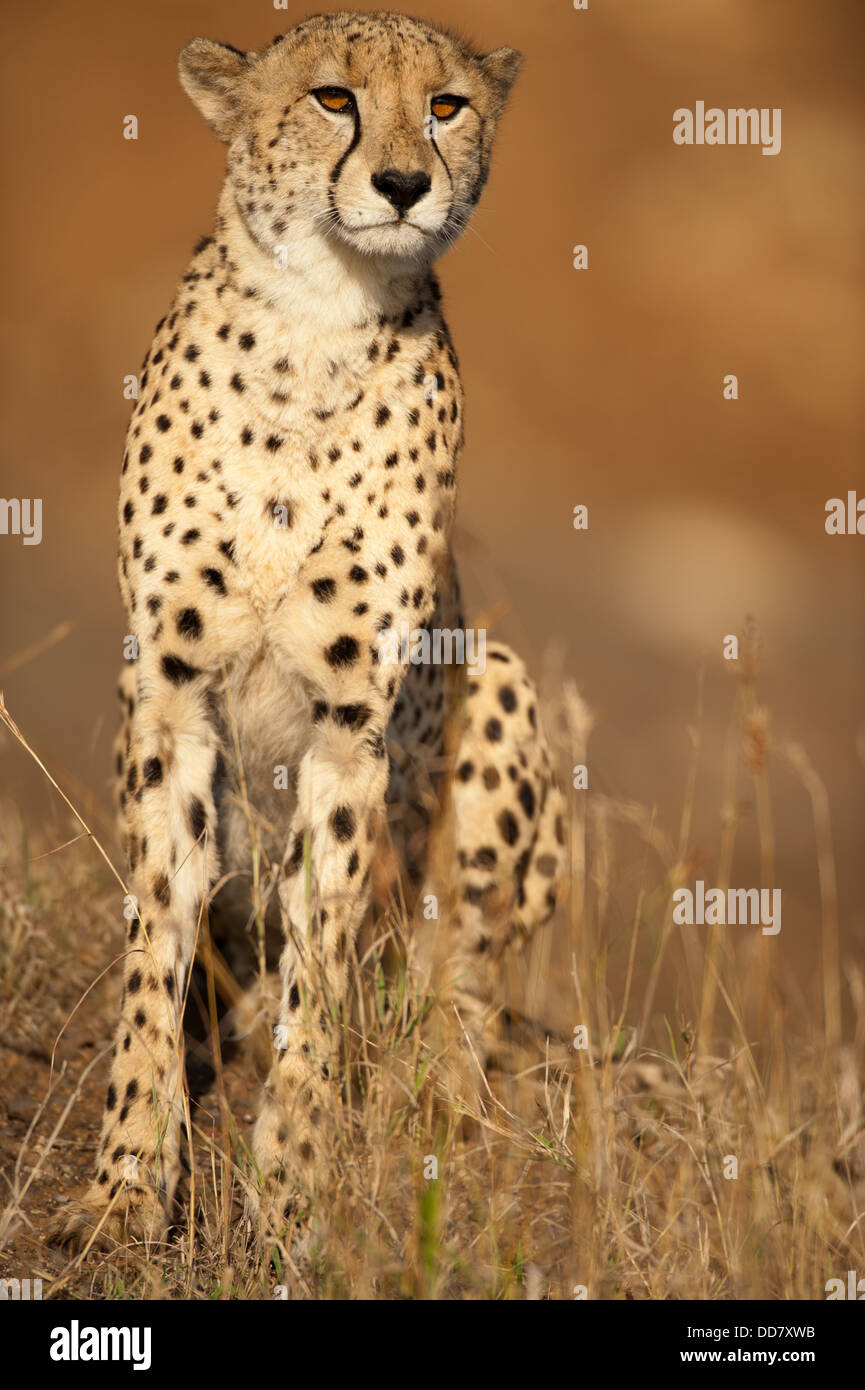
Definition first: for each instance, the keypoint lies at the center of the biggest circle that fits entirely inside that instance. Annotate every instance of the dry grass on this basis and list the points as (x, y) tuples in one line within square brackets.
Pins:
[(605, 1169)]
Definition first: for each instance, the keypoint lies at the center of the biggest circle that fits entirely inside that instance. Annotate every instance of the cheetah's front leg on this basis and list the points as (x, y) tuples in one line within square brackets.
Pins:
[(341, 791), (170, 820)]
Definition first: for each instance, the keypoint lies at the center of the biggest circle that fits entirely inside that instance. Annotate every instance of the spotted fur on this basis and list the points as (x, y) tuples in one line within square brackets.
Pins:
[(287, 494)]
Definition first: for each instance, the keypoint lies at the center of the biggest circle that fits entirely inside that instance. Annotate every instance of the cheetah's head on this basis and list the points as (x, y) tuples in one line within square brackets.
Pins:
[(371, 130)]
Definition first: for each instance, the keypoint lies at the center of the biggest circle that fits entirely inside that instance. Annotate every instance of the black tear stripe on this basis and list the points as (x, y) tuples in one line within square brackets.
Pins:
[(444, 162), (337, 168), (450, 181)]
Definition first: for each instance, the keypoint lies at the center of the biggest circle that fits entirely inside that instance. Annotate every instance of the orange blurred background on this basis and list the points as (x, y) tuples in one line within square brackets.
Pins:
[(601, 386)]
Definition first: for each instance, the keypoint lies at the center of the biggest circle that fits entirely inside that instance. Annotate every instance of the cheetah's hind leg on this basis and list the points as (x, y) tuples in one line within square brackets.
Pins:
[(505, 843)]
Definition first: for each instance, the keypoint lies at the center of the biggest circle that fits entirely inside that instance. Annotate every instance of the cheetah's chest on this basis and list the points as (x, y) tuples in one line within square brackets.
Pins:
[(278, 521)]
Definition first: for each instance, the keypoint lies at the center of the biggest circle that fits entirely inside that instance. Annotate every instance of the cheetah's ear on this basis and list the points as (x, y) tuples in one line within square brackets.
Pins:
[(209, 74), (501, 67)]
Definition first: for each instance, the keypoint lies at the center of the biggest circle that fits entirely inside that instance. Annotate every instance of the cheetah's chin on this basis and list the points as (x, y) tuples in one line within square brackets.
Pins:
[(400, 239)]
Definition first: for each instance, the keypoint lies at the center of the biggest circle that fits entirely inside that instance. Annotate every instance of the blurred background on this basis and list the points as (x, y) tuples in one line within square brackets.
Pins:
[(600, 387)]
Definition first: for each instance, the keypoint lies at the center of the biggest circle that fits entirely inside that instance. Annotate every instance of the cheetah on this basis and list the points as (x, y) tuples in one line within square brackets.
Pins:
[(286, 500)]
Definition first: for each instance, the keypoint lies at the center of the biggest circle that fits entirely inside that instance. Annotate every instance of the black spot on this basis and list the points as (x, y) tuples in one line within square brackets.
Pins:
[(382, 415), (344, 824), (343, 652), (493, 730), (189, 623), (351, 716), (214, 578), (246, 341), (507, 699), (465, 771), (152, 772), (527, 799), (176, 670), (507, 824), (324, 589), (197, 818), (134, 982)]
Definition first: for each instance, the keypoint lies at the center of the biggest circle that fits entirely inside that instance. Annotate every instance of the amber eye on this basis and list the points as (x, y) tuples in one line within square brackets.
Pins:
[(445, 106), (334, 98)]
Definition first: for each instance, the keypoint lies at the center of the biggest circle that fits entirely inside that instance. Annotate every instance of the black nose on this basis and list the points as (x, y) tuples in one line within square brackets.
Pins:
[(401, 190)]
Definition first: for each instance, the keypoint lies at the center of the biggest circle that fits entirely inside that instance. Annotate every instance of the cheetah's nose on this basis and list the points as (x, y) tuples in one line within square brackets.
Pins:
[(401, 190)]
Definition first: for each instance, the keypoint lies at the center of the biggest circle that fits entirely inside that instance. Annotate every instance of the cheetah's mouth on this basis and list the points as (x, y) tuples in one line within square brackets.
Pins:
[(396, 236)]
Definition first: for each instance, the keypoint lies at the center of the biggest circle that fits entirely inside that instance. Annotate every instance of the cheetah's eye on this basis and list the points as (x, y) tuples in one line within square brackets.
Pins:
[(335, 99), (446, 106)]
